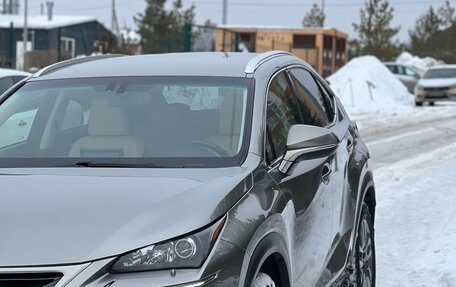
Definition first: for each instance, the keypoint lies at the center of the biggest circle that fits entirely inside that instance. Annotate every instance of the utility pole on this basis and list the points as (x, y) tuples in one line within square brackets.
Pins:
[(225, 12), (25, 34), (115, 22)]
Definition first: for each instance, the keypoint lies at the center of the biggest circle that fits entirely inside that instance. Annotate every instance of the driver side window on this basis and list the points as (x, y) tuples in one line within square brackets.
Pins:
[(281, 114)]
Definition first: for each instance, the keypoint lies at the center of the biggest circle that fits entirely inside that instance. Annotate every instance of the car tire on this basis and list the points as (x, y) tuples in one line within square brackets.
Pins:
[(365, 250), (431, 103), (418, 104), (263, 280)]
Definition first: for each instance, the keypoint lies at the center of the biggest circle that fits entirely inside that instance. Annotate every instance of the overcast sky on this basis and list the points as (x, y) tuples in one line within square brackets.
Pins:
[(339, 13)]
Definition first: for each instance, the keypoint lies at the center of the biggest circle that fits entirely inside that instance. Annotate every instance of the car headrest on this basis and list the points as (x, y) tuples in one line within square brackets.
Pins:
[(107, 120), (231, 111)]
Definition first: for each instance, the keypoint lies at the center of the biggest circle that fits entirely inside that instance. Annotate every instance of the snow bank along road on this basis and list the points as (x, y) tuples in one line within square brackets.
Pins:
[(414, 156)]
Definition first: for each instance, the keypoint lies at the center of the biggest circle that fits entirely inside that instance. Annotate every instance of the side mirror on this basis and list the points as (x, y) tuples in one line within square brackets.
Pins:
[(305, 139)]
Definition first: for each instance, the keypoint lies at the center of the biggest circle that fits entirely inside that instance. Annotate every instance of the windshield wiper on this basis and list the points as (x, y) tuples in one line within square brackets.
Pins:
[(120, 165), (106, 164)]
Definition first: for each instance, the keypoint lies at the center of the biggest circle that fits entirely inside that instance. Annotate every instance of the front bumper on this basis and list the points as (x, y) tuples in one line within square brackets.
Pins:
[(435, 94), (222, 268)]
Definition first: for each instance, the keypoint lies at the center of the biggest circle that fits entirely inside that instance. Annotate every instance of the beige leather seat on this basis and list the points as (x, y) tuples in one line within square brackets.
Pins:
[(230, 121), (109, 134)]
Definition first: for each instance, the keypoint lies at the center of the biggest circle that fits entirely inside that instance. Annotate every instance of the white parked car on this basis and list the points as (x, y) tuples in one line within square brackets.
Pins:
[(22, 120), (437, 84), (10, 77), (408, 75)]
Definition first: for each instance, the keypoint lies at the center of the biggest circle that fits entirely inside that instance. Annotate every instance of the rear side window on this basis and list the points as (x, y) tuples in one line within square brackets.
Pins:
[(312, 102), (393, 69), (409, 72), (282, 113)]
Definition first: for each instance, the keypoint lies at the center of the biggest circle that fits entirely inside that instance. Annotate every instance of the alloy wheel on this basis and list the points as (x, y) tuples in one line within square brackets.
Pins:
[(365, 254)]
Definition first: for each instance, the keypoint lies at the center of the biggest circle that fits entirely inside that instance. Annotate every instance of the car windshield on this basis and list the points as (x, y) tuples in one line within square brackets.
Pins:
[(440, 74), (126, 121)]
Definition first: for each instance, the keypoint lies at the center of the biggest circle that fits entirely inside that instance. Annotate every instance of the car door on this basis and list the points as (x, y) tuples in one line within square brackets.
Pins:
[(344, 199), (308, 85), (408, 77), (305, 185)]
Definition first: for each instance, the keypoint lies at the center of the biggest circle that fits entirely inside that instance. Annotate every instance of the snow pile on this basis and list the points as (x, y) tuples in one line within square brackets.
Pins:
[(366, 86), (405, 58)]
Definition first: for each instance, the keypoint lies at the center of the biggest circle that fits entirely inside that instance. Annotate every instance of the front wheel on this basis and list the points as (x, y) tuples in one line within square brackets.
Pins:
[(431, 103), (365, 250), (263, 280), (418, 104)]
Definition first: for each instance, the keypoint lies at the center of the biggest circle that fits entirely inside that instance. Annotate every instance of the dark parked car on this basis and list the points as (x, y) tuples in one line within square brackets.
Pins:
[(196, 169)]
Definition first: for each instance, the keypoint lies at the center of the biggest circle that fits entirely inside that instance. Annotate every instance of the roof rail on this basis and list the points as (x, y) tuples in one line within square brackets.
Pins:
[(258, 60), (70, 62)]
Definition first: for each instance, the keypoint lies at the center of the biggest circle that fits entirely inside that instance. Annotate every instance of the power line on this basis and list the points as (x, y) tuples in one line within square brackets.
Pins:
[(262, 4)]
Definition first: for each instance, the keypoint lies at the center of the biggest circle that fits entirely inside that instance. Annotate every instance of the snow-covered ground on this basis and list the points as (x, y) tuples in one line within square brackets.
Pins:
[(414, 155), (415, 225), (414, 158)]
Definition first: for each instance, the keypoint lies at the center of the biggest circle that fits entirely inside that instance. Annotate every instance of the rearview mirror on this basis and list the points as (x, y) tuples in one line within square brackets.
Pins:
[(305, 139)]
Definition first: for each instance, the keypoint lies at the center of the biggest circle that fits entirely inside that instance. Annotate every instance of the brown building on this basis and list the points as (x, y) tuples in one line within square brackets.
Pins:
[(324, 48)]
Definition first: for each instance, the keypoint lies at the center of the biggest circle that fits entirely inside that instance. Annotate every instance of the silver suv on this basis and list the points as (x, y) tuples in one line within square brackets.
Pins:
[(197, 169)]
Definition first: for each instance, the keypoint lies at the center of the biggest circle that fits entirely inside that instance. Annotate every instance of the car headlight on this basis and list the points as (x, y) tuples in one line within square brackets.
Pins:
[(188, 251), (419, 87)]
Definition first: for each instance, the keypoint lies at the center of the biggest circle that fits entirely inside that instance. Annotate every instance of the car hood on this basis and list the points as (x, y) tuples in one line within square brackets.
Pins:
[(435, 83), (74, 215)]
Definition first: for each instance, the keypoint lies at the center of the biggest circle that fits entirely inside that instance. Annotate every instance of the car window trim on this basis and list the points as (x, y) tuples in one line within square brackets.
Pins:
[(326, 97)]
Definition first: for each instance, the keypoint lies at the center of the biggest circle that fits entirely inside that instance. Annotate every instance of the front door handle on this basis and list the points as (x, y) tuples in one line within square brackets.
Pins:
[(325, 173), (349, 143)]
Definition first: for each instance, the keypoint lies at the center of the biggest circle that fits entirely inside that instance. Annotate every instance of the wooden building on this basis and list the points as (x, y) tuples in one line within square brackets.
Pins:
[(324, 48), (51, 39)]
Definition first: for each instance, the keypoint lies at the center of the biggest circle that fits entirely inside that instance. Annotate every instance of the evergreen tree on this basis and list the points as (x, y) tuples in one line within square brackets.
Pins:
[(434, 34), (162, 30), (446, 14), (314, 18), (375, 34), (425, 27)]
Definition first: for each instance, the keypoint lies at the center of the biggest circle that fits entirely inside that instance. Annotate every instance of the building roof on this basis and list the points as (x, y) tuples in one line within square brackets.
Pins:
[(287, 28), (42, 22), (272, 27)]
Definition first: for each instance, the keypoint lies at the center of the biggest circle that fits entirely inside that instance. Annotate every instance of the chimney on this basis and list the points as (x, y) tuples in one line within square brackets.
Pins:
[(42, 9), (49, 5), (5, 7)]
